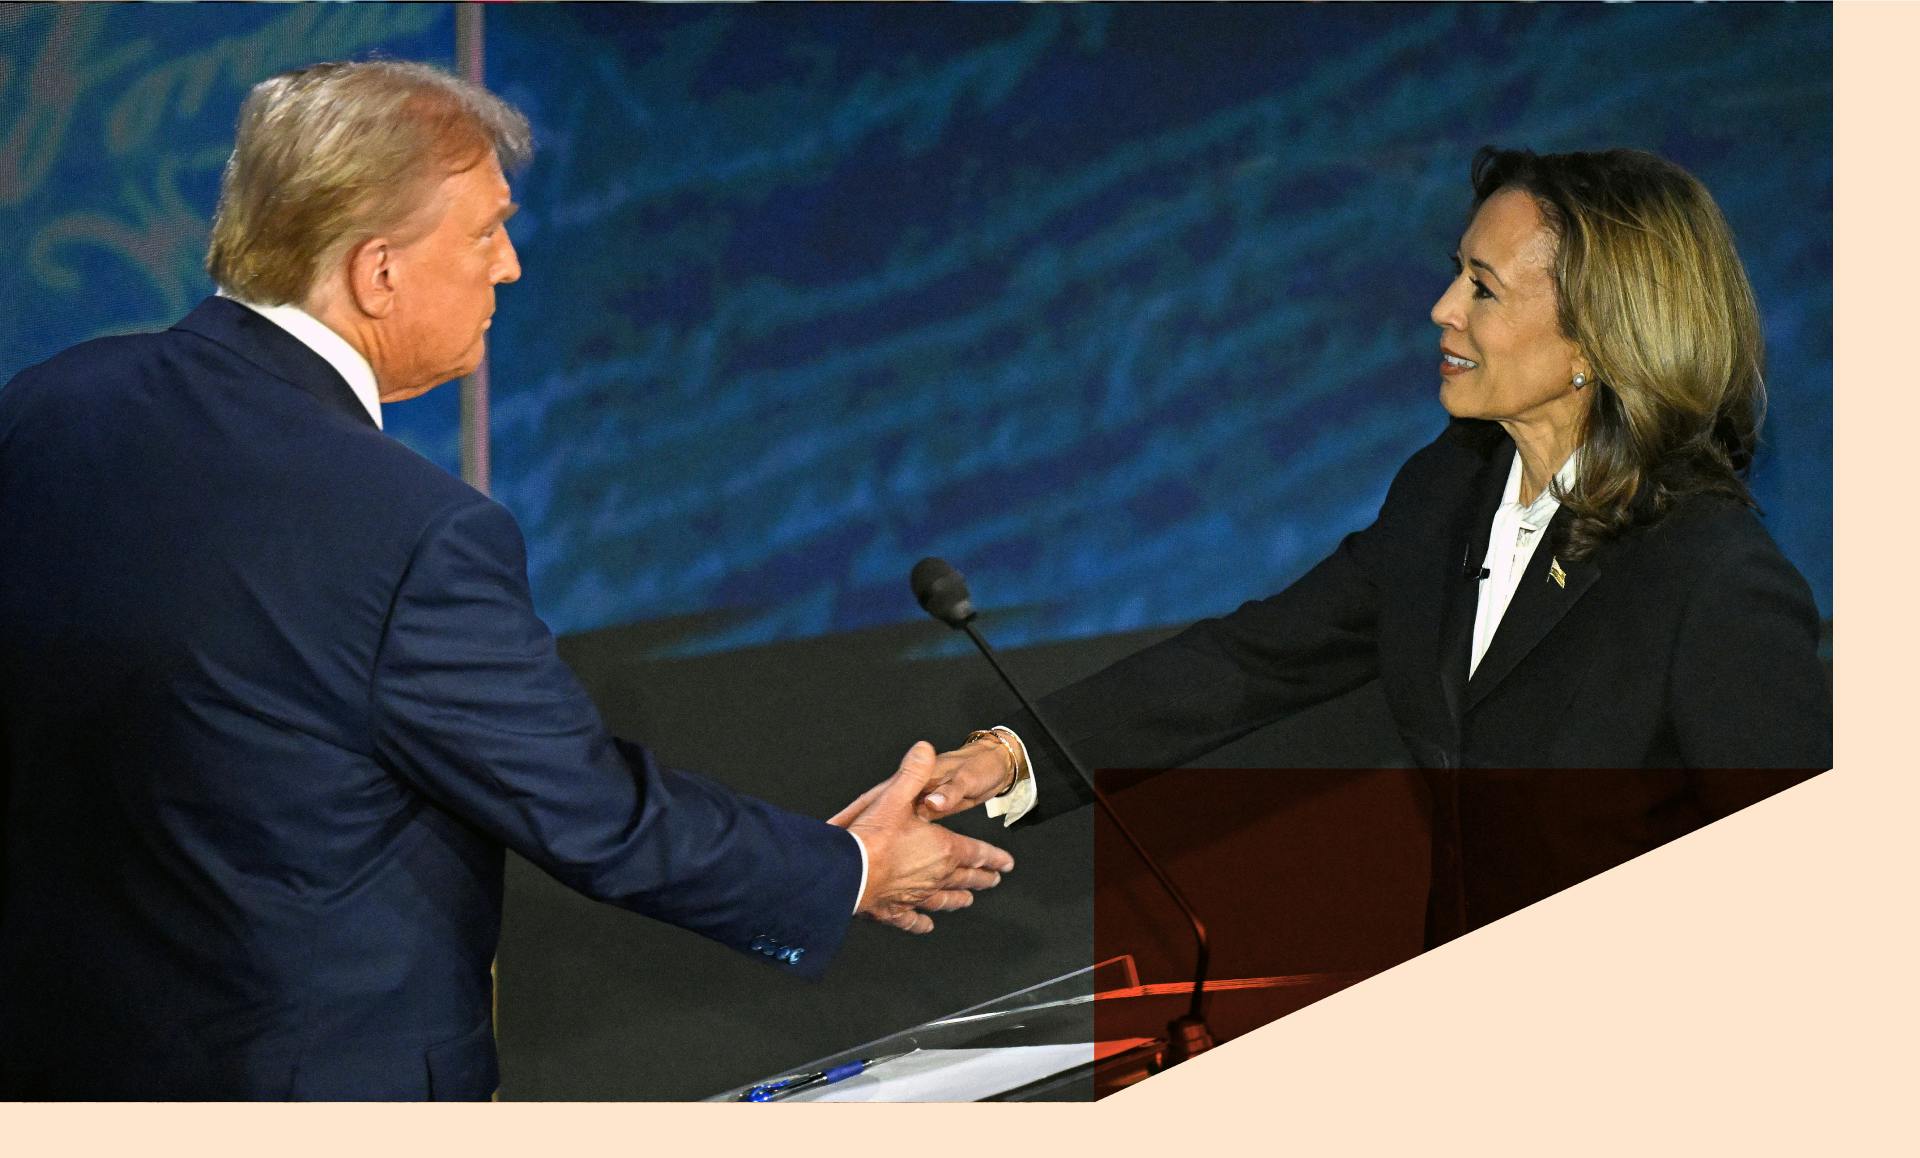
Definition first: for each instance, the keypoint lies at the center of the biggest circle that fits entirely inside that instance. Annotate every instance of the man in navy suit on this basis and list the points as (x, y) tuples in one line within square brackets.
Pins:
[(273, 696)]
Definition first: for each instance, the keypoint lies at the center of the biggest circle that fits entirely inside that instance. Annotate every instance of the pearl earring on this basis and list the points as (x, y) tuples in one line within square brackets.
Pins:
[(1579, 380)]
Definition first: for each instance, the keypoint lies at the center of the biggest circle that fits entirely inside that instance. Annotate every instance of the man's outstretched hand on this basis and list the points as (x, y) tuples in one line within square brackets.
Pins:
[(915, 867)]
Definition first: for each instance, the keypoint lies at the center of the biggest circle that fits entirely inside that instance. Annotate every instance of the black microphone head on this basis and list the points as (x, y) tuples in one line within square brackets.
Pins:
[(942, 591)]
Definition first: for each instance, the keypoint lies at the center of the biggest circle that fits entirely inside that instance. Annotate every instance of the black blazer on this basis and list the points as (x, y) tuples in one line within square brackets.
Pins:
[(273, 703), (1680, 656)]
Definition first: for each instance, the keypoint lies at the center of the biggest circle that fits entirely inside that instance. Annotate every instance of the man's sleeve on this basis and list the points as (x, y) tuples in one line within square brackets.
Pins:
[(472, 706)]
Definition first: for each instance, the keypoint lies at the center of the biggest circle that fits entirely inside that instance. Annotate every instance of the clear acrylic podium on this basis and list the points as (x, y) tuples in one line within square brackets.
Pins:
[(1042, 1043)]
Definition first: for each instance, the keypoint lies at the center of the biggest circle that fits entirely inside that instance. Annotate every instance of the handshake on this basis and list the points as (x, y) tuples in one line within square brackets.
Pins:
[(915, 867)]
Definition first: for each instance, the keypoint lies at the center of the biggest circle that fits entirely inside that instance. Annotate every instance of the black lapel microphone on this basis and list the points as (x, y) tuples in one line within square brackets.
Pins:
[(942, 593)]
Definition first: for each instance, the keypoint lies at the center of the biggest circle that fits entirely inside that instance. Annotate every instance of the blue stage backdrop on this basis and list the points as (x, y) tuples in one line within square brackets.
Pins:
[(1121, 309), (115, 120)]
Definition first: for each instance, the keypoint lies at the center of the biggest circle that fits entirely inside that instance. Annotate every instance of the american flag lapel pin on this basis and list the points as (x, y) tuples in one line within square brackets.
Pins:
[(1555, 573)]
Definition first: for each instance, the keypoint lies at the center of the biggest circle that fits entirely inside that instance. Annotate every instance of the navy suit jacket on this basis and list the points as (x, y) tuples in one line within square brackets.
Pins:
[(1674, 676), (273, 702)]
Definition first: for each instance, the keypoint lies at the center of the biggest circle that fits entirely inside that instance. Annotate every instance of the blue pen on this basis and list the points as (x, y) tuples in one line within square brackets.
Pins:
[(786, 1087)]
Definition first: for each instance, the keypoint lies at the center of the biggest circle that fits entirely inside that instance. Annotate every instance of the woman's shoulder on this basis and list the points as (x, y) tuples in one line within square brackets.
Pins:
[(1707, 522), (1710, 541), (1465, 446), (1450, 469)]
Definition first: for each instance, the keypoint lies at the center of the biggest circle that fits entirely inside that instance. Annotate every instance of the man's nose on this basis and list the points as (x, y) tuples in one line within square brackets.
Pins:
[(507, 263)]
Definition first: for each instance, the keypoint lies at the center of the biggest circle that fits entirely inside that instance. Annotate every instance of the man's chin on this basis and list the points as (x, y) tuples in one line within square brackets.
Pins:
[(408, 393), (474, 356)]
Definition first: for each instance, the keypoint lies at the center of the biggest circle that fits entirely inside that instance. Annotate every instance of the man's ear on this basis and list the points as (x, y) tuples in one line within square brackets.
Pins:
[(371, 276)]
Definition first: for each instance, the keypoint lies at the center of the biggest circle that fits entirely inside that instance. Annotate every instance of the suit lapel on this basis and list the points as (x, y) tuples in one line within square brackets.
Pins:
[(275, 351), (1538, 604), (1461, 600)]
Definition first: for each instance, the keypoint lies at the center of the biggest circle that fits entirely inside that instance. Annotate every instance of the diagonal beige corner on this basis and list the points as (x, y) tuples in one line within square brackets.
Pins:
[(1714, 990)]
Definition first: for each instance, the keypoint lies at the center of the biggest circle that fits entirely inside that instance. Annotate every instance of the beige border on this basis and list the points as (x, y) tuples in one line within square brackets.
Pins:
[(1742, 991)]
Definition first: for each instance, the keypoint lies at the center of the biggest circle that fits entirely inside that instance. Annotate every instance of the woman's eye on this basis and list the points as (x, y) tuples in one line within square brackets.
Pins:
[(1479, 288)]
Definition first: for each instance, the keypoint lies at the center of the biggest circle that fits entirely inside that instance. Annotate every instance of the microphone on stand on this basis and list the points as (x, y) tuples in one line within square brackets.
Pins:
[(942, 593)]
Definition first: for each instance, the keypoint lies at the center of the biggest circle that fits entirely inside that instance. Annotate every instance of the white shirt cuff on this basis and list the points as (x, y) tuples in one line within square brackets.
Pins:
[(862, 890), (1018, 800)]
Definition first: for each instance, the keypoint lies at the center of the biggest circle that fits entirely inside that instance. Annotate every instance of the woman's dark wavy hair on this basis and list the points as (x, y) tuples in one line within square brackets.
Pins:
[(1652, 292)]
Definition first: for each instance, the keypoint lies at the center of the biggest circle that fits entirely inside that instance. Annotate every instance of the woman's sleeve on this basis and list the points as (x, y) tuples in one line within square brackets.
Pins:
[(1217, 680)]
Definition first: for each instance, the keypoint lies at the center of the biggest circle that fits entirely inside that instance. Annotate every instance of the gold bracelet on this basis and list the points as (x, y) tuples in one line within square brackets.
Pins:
[(1013, 760)]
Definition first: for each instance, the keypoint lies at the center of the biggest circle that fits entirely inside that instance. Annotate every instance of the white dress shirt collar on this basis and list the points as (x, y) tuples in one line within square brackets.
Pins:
[(1536, 515), (1511, 541), (315, 335)]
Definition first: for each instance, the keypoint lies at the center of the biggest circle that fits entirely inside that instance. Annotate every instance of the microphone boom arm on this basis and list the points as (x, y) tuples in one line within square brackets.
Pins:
[(1181, 1040)]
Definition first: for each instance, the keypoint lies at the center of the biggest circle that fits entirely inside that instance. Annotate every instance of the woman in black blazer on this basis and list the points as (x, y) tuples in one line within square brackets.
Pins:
[(1570, 577)]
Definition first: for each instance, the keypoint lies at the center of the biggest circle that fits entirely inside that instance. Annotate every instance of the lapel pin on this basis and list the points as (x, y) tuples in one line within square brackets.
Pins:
[(1555, 573)]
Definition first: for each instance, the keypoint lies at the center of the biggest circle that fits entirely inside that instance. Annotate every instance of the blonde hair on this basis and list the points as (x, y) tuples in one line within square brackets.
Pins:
[(327, 156), (1652, 291)]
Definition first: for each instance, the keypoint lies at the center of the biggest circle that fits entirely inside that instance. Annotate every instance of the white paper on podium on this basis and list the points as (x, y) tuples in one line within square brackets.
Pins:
[(953, 1075)]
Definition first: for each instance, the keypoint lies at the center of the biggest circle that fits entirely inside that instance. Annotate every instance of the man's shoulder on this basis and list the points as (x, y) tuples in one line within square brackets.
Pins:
[(69, 387), (99, 366), (177, 385), (381, 477), (89, 360)]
